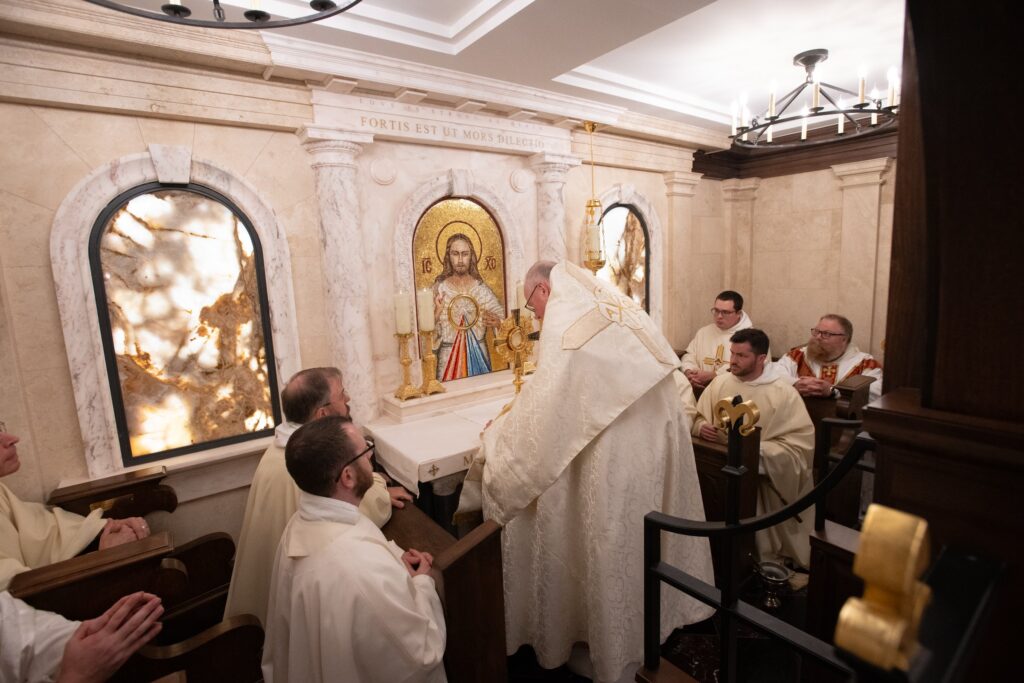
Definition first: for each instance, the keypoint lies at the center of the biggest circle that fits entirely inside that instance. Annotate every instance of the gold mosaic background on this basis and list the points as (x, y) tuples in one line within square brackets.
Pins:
[(438, 223), (180, 279)]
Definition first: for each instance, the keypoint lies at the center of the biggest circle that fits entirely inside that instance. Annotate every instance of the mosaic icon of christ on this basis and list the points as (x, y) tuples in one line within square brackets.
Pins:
[(464, 307)]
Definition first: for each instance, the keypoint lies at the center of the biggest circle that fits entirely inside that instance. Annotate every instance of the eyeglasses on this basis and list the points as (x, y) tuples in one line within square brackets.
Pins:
[(719, 311), (370, 446), (825, 334), (528, 306)]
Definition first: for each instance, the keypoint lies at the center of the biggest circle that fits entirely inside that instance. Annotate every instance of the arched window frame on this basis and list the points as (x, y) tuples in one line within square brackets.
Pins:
[(647, 247), (103, 312), (72, 274)]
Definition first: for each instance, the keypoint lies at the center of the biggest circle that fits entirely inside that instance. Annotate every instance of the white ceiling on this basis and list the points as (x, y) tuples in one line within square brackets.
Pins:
[(684, 60)]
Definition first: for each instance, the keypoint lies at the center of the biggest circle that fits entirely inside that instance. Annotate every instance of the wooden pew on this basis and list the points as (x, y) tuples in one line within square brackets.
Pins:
[(710, 457), (468, 574), (844, 502), (191, 580), (230, 651), (129, 494)]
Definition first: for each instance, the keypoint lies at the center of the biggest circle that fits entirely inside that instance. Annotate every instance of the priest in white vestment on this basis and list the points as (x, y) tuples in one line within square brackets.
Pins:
[(594, 441), (707, 354), (39, 647), (273, 497), (346, 604), (829, 358), (787, 441), (33, 535)]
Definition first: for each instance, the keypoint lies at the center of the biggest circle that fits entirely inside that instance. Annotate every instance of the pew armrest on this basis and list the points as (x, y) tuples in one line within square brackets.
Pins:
[(129, 494), (84, 587), (229, 651)]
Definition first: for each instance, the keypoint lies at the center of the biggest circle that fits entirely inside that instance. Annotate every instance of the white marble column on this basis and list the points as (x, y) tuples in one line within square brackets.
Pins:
[(550, 171), (680, 187), (738, 195), (344, 263), (861, 183)]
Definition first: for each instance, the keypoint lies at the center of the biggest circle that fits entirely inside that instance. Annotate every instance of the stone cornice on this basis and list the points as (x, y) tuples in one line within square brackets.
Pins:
[(80, 23), (681, 183)]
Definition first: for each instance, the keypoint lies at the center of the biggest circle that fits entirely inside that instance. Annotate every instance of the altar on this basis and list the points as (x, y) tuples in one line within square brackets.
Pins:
[(427, 444)]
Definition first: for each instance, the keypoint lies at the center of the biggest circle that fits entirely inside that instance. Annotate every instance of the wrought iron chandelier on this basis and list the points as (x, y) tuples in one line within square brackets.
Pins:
[(176, 12), (828, 105)]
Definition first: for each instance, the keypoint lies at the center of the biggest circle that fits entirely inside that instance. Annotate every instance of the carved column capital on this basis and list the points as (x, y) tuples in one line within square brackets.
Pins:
[(740, 189), (861, 172), (681, 183), (333, 146), (551, 168)]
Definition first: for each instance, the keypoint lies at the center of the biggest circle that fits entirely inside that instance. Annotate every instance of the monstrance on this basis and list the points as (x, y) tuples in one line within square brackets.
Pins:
[(514, 344)]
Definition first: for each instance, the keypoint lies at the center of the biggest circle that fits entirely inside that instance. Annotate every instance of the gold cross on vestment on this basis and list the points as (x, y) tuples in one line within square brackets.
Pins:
[(717, 361), (612, 308), (433, 469)]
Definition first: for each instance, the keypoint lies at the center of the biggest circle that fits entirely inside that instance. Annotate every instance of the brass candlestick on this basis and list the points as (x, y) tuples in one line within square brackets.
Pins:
[(407, 390), (428, 362)]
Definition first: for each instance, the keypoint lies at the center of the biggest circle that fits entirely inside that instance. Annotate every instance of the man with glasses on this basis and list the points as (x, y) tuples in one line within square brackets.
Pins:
[(346, 604), (707, 355), (594, 441), (311, 394), (787, 440), (829, 357)]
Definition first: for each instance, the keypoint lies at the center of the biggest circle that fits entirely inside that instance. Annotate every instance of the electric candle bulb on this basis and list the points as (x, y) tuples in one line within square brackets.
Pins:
[(874, 106), (892, 76), (771, 99), (803, 124), (862, 75), (841, 119), (734, 118)]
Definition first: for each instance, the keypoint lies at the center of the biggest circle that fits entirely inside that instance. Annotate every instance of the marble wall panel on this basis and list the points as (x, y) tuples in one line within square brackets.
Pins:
[(235, 149), (94, 137), (24, 232), (44, 168), (35, 321), (164, 132)]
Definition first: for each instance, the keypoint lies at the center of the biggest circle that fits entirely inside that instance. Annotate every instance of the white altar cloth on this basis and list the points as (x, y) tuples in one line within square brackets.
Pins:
[(429, 448)]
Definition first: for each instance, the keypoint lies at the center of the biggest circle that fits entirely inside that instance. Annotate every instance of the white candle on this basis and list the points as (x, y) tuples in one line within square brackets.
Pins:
[(769, 133), (403, 313), (893, 77), (594, 238), (425, 309), (771, 100), (520, 295), (734, 119), (874, 106), (841, 119), (862, 74), (254, 4), (816, 95), (803, 124)]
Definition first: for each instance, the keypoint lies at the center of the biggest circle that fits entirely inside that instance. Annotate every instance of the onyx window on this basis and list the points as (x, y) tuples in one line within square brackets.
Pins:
[(627, 253), (182, 300)]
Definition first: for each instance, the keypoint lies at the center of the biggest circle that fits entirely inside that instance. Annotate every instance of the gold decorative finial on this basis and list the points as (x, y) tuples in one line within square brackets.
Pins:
[(881, 627), (727, 414)]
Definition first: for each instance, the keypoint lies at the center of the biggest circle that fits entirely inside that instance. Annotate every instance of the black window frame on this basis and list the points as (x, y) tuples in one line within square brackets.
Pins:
[(647, 247), (107, 339)]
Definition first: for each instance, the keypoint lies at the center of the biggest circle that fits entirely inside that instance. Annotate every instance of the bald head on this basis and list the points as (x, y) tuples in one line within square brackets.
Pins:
[(312, 393), (538, 286)]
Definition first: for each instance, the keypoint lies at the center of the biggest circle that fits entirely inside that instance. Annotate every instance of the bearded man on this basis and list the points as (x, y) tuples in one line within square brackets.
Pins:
[(787, 440), (464, 307), (829, 358)]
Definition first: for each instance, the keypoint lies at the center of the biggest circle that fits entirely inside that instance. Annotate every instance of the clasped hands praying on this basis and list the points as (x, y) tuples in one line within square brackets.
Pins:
[(120, 531)]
